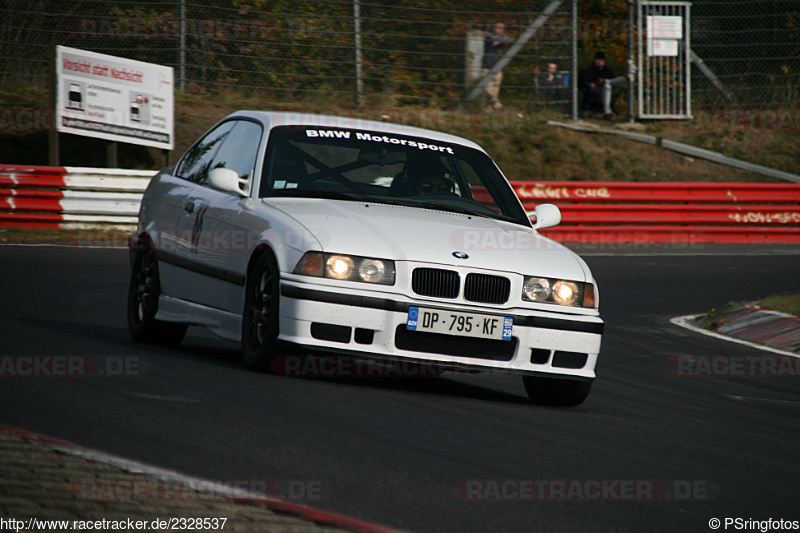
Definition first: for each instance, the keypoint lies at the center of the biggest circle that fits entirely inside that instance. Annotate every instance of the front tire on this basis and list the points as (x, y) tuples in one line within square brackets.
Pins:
[(260, 319), (556, 392), (143, 293)]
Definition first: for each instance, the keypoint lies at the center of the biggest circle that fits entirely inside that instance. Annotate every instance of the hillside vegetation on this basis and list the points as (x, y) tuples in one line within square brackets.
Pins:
[(520, 140)]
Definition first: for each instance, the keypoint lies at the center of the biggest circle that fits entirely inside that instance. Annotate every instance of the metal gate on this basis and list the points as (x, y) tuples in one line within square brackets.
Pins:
[(664, 70)]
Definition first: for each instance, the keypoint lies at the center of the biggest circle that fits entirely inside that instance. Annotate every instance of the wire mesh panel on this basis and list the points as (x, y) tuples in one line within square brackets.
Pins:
[(752, 47), (663, 51), (411, 52)]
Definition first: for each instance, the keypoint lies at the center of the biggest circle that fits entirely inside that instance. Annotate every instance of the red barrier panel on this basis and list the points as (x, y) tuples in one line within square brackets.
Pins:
[(673, 235), (788, 215), (689, 192), (29, 196), (607, 212), (623, 212)]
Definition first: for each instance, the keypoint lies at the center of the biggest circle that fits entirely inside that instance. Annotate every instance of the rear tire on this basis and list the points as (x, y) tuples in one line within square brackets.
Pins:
[(143, 293), (260, 318), (556, 392)]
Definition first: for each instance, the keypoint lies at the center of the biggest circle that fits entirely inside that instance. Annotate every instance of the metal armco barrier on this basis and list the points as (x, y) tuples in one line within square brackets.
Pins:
[(607, 212), (53, 197), (678, 213)]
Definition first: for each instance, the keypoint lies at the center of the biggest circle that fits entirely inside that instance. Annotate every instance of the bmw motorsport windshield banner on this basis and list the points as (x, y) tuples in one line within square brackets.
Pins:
[(113, 98)]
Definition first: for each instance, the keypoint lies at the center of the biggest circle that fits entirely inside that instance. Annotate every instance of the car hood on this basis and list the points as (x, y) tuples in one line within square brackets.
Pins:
[(426, 235)]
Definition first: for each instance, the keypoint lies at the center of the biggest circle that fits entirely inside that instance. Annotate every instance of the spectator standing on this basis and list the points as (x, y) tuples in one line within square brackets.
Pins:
[(493, 50)]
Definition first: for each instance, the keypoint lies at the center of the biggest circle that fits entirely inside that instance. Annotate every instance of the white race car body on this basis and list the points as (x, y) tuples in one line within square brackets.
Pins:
[(466, 269)]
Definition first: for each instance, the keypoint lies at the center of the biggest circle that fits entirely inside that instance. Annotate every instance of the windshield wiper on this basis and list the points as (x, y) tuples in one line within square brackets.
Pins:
[(339, 195), (457, 209), (333, 195)]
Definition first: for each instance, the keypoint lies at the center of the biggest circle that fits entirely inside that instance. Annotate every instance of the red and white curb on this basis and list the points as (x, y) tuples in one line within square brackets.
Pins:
[(170, 476), (685, 322)]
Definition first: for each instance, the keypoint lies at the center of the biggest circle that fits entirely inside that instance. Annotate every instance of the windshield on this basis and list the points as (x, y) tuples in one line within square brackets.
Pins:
[(386, 168)]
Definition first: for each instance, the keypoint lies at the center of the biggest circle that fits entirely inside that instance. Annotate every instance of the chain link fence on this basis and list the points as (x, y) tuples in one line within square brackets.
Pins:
[(411, 52), (753, 49)]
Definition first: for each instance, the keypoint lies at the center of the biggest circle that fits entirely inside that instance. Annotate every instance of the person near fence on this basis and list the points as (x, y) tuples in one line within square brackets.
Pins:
[(598, 81), (552, 84), (493, 50), (551, 77)]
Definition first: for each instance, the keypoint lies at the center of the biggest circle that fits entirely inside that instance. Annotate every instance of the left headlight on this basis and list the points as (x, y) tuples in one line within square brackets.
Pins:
[(558, 291), (346, 267)]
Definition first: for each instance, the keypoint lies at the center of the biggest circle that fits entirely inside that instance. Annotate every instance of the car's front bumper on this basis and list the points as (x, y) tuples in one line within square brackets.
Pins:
[(374, 325)]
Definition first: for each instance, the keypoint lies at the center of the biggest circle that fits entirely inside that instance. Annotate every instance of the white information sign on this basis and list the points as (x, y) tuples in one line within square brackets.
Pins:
[(663, 33), (664, 27), (113, 98), (662, 47)]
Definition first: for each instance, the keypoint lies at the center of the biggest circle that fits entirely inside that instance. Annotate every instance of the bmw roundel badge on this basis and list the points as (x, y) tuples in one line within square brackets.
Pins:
[(460, 255)]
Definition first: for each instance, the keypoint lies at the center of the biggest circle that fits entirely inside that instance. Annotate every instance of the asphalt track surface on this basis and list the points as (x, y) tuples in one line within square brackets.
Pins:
[(401, 452)]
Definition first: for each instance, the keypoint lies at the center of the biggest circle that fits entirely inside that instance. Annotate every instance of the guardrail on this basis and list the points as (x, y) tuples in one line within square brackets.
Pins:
[(624, 212), (607, 212), (52, 197)]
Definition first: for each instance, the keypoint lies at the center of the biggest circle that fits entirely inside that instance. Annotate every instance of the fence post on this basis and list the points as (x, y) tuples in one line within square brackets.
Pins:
[(526, 36), (631, 61), (182, 47), (53, 138), (574, 60), (357, 46)]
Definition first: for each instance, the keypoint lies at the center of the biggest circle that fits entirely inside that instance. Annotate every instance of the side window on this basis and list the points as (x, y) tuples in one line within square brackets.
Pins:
[(240, 149), (197, 161)]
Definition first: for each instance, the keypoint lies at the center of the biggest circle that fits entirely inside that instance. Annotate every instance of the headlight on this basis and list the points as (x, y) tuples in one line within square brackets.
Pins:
[(346, 267), (536, 289), (558, 291), (338, 267), (565, 292)]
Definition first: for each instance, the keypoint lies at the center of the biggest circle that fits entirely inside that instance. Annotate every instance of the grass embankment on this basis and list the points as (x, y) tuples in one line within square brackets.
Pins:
[(520, 140), (783, 303)]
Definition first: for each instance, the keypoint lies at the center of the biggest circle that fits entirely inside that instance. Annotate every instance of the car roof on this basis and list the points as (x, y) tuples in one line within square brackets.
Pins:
[(299, 118)]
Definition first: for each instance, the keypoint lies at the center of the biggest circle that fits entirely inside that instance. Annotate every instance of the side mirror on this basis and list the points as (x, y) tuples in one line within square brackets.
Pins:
[(547, 216), (225, 180)]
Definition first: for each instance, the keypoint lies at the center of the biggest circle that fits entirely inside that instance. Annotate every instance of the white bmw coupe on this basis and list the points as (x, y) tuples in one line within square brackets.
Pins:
[(330, 234)]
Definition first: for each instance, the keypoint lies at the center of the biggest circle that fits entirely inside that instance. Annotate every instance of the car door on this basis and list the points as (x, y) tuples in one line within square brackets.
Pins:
[(214, 247), (192, 170), (225, 243)]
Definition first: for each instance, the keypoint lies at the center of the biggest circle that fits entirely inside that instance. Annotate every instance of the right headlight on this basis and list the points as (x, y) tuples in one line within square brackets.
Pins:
[(558, 291)]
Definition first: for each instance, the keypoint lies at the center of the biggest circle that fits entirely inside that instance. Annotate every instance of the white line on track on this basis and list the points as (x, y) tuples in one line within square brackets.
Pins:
[(683, 321), (226, 491), (747, 399), (160, 397)]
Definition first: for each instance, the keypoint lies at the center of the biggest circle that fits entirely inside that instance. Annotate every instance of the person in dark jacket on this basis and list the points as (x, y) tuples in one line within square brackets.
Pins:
[(493, 51), (598, 80)]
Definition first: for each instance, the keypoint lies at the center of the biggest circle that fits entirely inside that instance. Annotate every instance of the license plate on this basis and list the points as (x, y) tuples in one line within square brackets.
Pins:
[(460, 324)]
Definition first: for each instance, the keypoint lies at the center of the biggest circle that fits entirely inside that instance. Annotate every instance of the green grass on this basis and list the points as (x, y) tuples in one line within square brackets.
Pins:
[(520, 140), (785, 303)]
